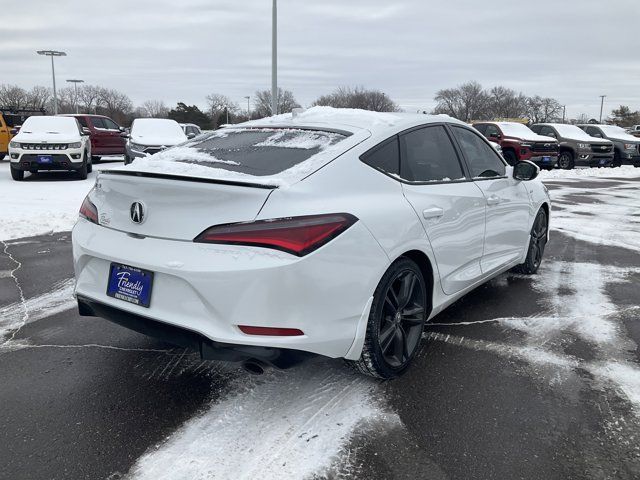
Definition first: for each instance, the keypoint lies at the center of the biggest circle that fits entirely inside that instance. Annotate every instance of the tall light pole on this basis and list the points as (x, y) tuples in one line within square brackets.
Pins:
[(75, 82), (274, 58), (53, 53), (564, 111), (602, 97), (248, 107)]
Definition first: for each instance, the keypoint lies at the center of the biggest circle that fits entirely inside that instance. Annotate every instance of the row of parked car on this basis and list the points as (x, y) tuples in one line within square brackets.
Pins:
[(557, 144), (76, 142)]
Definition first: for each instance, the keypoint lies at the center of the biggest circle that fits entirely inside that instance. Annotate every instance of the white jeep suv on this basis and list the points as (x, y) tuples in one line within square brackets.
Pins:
[(50, 143)]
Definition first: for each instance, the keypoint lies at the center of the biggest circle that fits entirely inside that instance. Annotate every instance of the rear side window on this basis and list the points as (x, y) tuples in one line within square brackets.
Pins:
[(110, 124), (254, 151), (385, 158), (483, 160), (429, 156), (98, 122)]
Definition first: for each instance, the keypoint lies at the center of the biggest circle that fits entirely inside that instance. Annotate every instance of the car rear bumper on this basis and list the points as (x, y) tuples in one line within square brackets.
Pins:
[(210, 290)]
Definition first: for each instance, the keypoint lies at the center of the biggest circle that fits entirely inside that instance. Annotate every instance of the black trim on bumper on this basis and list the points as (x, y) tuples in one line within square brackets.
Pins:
[(209, 350)]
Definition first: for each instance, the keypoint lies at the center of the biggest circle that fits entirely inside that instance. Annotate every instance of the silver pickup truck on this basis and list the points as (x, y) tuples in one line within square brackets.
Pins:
[(626, 148)]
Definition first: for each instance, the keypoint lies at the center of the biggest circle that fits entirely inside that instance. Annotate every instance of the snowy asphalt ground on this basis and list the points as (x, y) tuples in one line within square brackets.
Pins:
[(526, 377)]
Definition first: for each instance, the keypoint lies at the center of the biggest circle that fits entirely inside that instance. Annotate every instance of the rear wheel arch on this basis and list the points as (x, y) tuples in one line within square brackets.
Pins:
[(426, 267)]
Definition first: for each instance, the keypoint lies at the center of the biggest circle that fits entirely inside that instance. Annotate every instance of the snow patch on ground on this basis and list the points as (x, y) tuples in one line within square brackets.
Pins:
[(625, 171), (16, 315), (289, 424), (48, 202)]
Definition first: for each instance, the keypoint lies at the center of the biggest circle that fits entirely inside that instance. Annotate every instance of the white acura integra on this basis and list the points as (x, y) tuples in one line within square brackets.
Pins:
[(333, 232)]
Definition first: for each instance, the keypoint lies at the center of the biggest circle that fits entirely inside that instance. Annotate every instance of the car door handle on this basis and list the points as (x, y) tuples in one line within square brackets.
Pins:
[(493, 200), (434, 212)]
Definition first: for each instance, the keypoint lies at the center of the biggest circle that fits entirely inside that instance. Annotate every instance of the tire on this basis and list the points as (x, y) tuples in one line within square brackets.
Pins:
[(95, 159), (396, 320), (17, 175), (89, 161), (2, 155), (83, 171), (537, 242), (127, 160), (566, 160), (617, 161), (510, 157)]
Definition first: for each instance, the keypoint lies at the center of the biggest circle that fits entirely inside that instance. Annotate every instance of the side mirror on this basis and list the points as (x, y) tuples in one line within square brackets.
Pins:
[(86, 131), (14, 131), (525, 170), (122, 129), (190, 135), (124, 134)]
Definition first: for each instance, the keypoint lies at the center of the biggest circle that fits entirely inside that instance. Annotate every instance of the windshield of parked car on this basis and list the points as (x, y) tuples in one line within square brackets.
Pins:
[(616, 132), (571, 131), (156, 127), (50, 125), (517, 130), (252, 151)]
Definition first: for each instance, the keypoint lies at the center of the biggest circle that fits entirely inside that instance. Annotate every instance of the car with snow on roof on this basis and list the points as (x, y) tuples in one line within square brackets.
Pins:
[(576, 147), (152, 135), (333, 232), (626, 148)]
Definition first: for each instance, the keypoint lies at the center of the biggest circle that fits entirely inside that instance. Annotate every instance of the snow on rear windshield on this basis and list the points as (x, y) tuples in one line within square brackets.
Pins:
[(252, 151), (59, 125)]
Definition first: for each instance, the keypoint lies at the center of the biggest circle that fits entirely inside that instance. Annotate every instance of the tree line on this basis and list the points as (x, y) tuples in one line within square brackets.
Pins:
[(467, 102)]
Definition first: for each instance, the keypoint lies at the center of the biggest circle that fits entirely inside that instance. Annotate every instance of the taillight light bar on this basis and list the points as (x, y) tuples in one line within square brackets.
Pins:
[(89, 211), (296, 235)]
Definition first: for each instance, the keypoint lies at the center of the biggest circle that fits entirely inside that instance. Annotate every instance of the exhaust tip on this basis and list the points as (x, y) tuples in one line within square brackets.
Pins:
[(253, 367)]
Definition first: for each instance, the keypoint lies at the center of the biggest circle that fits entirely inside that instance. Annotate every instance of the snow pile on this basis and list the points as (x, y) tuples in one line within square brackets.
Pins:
[(625, 171), (290, 424), (343, 116)]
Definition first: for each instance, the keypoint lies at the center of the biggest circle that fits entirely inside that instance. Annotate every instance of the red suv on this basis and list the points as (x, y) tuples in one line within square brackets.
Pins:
[(106, 135), (519, 142)]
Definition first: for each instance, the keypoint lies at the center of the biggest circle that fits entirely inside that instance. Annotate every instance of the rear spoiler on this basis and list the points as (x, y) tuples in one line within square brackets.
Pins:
[(183, 178)]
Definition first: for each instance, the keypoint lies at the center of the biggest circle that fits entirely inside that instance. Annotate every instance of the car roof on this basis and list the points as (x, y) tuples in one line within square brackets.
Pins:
[(348, 119)]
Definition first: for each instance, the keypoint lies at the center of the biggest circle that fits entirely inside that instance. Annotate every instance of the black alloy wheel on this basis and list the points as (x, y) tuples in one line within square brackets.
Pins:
[(537, 243), (565, 160), (398, 314)]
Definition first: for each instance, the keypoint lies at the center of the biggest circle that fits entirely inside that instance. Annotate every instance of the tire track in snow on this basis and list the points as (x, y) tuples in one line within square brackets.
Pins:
[(291, 424)]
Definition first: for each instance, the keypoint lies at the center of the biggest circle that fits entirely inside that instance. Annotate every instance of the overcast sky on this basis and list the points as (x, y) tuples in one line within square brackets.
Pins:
[(182, 50)]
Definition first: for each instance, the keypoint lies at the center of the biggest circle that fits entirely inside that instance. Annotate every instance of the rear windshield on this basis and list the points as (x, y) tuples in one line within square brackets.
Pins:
[(255, 151)]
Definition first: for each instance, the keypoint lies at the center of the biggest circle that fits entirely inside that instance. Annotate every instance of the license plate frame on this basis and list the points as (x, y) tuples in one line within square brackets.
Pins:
[(546, 159), (130, 284), (45, 159)]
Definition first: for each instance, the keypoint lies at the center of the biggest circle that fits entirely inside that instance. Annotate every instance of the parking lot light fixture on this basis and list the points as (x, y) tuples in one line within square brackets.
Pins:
[(248, 107), (75, 82), (53, 53), (274, 58), (602, 97)]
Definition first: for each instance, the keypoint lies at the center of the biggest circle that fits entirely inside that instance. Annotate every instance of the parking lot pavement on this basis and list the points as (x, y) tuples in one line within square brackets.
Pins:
[(526, 377)]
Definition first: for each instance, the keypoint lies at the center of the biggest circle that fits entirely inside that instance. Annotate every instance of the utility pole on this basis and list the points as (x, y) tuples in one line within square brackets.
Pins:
[(75, 87), (564, 112), (248, 107), (53, 53), (274, 58), (602, 97)]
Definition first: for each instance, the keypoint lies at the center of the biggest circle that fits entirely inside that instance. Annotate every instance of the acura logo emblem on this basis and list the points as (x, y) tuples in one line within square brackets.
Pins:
[(137, 212)]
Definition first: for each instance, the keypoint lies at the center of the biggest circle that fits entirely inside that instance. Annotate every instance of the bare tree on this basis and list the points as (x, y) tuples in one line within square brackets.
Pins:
[(262, 104), (466, 102), (541, 109), (115, 104), (13, 96), (358, 97), (505, 103), (219, 106), (89, 98), (38, 97), (153, 109)]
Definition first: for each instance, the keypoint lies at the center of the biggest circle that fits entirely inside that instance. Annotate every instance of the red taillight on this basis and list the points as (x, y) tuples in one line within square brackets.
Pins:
[(271, 331), (89, 211), (296, 235)]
